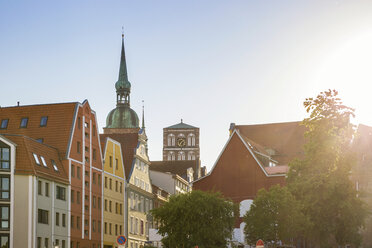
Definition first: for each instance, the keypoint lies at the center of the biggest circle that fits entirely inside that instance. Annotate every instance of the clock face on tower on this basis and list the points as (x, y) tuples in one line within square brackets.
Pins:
[(181, 142)]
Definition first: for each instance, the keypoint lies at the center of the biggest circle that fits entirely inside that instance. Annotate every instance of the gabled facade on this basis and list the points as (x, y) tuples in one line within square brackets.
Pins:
[(254, 157), (38, 204), (114, 198), (71, 128)]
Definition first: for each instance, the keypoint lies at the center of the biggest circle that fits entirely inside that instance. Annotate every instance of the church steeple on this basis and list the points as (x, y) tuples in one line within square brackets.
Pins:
[(123, 85), (143, 115)]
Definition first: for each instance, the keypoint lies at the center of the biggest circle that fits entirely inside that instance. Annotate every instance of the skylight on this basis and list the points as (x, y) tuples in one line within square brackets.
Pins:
[(54, 165), (43, 121), (36, 159), (43, 161), (24, 122), (4, 123)]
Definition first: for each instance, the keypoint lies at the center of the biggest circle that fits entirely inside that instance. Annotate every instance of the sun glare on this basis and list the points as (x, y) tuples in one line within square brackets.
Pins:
[(348, 69)]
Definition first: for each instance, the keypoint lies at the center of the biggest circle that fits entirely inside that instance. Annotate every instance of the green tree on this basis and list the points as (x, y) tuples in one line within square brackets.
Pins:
[(197, 218), (321, 180), (274, 215)]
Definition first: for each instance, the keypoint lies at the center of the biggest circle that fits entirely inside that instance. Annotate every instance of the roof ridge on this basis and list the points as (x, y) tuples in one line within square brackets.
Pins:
[(272, 123), (40, 104)]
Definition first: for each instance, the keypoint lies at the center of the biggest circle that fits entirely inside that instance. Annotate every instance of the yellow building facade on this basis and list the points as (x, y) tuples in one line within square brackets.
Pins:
[(113, 224)]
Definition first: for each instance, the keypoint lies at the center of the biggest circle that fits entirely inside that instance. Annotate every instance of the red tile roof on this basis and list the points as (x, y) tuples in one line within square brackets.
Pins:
[(56, 133), (25, 162), (286, 139)]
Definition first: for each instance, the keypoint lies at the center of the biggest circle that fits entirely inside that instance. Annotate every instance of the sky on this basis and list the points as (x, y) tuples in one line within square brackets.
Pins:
[(209, 62)]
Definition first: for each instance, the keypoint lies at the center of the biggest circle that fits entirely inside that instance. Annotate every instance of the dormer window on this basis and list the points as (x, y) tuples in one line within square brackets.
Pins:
[(24, 122), (37, 161), (4, 123), (43, 161), (54, 165), (43, 121)]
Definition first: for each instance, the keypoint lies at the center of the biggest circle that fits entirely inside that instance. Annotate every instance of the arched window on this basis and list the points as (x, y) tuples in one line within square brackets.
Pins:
[(191, 139), (181, 156), (169, 156), (173, 156), (171, 140), (191, 156)]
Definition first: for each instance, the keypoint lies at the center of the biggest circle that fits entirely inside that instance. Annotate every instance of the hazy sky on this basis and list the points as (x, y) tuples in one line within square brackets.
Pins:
[(209, 62)]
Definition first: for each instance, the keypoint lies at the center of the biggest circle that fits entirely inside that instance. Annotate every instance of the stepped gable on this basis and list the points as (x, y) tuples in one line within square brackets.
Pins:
[(129, 143), (26, 164), (285, 139)]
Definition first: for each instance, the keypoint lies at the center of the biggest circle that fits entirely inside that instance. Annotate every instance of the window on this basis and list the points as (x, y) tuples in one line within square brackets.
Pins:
[(110, 204), (46, 243), (116, 186), (99, 179), (106, 182), (40, 140), (72, 195), (86, 149), (72, 221), (4, 187), (38, 242), (116, 208), (54, 165), (121, 230), (4, 220), (78, 147), (24, 122), (79, 123), (171, 140), (5, 158), (36, 158), (86, 135), (131, 225), (86, 125), (78, 172), (57, 219), (105, 205), (121, 188), (110, 183), (94, 178), (43, 121), (99, 226), (110, 162), (72, 170), (94, 201), (116, 229), (94, 130), (116, 164), (136, 227), (142, 227), (86, 222), (63, 220), (63, 243), (110, 225), (94, 225), (4, 123), (121, 209), (42, 216), (61, 193), (94, 154), (47, 189), (105, 229), (39, 187), (99, 202), (43, 161), (78, 197), (78, 222)]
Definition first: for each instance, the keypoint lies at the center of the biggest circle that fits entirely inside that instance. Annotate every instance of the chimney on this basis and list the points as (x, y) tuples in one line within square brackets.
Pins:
[(232, 127), (18, 104)]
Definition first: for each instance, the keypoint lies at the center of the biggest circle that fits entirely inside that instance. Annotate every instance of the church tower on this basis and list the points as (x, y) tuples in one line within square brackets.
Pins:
[(181, 142), (122, 119)]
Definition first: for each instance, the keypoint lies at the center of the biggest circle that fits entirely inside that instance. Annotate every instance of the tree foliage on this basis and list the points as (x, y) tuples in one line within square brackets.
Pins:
[(321, 180), (196, 218), (318, 184), (274, 215)]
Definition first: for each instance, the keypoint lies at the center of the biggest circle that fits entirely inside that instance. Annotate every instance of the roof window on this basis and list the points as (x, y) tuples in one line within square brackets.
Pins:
[(37, 161), (4, 123), (24, 122), (54, 165), (43, 161), (43, 121)]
